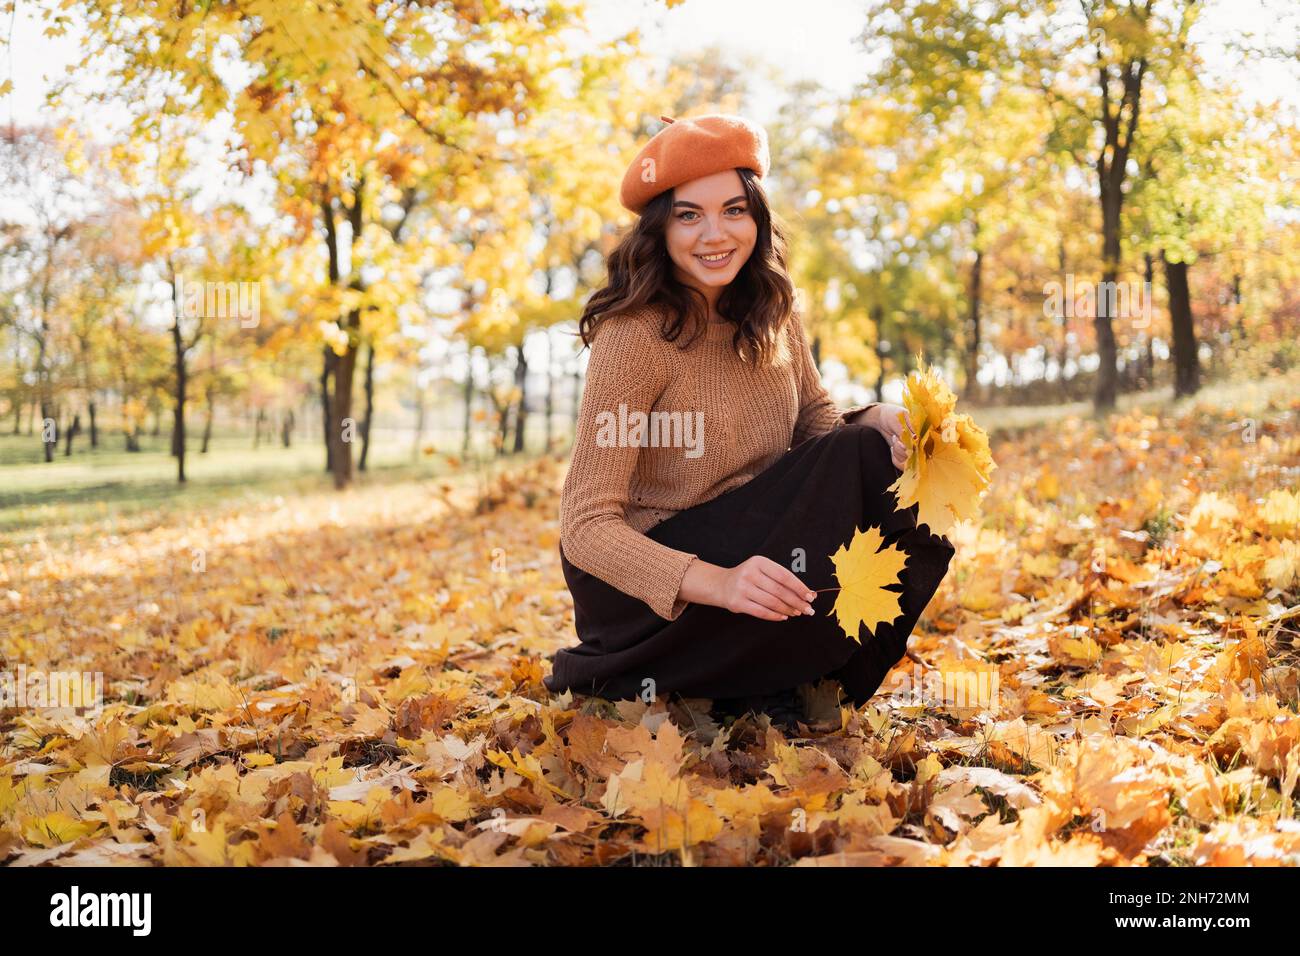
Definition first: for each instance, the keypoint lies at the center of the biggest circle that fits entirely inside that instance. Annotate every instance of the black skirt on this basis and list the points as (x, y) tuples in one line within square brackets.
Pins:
[(813, 498)]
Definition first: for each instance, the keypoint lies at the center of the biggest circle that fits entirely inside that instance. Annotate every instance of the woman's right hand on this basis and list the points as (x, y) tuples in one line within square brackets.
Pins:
[(757, 586), (761, 587)]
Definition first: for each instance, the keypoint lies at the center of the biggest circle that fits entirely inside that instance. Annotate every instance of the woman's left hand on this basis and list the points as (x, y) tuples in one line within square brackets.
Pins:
[(884, 418)]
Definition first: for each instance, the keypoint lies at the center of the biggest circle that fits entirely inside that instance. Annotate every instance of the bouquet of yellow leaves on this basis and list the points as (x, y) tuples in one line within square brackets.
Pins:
[(948, 459), (948, 469)]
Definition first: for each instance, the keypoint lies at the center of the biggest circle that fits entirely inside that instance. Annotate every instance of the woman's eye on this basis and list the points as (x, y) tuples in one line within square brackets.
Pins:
[(740, 209)]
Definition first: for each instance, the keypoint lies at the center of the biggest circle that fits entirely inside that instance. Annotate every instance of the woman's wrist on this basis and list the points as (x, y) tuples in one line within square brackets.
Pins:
[(702, 583), (866, 416)]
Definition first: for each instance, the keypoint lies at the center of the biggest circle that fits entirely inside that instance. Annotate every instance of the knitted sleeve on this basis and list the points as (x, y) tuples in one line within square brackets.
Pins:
[(626, 367), (817, 413)]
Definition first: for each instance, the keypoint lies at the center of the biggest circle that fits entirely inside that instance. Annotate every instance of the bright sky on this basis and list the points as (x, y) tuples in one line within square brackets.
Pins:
[(817, 39), (813, 39), (810, 39)]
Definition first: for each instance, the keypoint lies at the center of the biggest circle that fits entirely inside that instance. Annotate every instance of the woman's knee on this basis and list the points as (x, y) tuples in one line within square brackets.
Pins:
[(877, 457), (863, 432)]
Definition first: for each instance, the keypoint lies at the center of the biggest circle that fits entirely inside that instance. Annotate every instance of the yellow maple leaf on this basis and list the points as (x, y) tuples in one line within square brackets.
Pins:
[(57, 828), (676, 828), (948, 457), (863, 570), (211, 847)]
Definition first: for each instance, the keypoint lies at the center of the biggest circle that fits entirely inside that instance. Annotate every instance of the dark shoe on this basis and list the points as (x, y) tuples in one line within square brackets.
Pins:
[(784, 708), (728, 707)]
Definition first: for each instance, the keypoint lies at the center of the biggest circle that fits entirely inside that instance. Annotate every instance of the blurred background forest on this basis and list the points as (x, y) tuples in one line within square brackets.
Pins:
[(256, 244)]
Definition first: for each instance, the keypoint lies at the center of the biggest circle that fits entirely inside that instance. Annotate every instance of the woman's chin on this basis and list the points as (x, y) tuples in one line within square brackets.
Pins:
[(711, 278)]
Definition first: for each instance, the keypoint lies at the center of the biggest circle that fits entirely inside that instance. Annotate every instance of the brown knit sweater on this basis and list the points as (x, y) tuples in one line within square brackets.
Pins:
[(624, 479)]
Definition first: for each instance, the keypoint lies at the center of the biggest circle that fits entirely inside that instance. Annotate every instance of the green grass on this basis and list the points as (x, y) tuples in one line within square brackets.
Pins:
[(131, 490)]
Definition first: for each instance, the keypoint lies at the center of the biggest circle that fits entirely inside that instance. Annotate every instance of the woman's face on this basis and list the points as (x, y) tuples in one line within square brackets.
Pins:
[(710, 216)]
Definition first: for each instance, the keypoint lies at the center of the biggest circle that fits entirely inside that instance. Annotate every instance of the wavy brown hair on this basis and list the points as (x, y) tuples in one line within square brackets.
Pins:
[(758, 301)]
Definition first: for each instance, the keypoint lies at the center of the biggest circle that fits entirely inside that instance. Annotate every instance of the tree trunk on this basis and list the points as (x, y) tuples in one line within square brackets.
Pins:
[(368, 387), (1147, 358), (19, 393), (286, 428), (207, 422), (329, 360), (330, 357), (973, 322), (344, 425), (73, 429), (94, 428), (878, 317), (521, 410), (178, 428), (1112, 168), (49, 430), (1187, 371), (503, 414), (49, 421), (1108, 369)]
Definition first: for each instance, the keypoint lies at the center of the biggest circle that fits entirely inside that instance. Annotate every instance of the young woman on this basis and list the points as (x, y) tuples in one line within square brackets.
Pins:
[(712, 478)]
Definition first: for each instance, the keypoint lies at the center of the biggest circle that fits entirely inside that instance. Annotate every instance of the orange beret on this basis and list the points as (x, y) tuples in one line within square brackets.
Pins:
[(690, 148)]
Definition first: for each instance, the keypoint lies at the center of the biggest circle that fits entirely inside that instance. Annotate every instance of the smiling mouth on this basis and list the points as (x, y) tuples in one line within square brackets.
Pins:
[(717, 258)]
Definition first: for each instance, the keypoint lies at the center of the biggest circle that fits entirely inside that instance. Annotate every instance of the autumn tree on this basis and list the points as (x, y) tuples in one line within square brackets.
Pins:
[(347, 104), (1092, 62), (37, 245), (1205, 189)]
